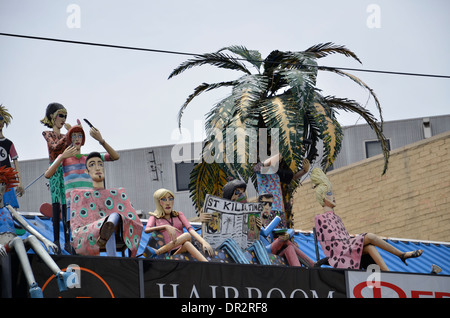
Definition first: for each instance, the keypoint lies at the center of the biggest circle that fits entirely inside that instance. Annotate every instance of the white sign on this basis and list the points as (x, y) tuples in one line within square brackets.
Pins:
[(231, 219), (361, 284)]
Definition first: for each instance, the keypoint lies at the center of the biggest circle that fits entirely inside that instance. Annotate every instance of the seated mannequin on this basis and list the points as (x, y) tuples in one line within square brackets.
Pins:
[(171, 224), (280, 244), (98, 213), (342, 250), (9, 241)]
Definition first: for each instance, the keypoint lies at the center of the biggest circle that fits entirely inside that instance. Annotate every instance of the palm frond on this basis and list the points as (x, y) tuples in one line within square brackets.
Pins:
[(251, 56), (282, 114), (359, 82), (330, 133), (197, 91), (206, 178), (325, 49), (353, 106), (220, 60), (302, 86)]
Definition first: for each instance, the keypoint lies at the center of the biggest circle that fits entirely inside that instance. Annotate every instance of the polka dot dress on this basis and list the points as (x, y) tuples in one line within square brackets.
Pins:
[(88, 212), (342, 250)]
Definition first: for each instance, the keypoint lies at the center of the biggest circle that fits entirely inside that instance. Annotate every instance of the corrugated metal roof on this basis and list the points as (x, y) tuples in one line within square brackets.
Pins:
[(433, 253)]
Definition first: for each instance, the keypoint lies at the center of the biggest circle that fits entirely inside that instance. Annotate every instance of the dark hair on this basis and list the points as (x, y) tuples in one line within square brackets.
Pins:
[(228, 189), (265, 195), (93, 154)]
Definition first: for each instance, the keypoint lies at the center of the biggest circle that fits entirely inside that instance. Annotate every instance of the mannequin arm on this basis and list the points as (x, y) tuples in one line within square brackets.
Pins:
[(95, 133), (69, 152), (20, 190), (16, 216)]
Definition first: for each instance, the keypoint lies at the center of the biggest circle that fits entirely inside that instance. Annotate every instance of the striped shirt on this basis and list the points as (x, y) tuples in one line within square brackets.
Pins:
[(75, 175)]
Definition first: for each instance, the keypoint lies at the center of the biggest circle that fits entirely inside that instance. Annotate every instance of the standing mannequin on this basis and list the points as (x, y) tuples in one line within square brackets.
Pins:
[(55, 118), (171, 224), (342, 250), (7, 152), (10, 241)]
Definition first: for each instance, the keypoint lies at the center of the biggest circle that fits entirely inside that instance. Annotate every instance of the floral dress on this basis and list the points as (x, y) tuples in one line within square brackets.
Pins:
[(88, 212)]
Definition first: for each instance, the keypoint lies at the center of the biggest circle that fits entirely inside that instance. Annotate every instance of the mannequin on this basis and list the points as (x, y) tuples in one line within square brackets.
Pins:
[(97, 214), (342, 250), (171, 224), (55, 118), (281, 244), (10, 241), (8, 151), (274, 182)]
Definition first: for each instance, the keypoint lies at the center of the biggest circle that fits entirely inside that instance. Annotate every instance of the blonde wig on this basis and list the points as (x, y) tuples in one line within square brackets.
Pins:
[(159, 212), (322, 185), (6, 115), (51, 112)]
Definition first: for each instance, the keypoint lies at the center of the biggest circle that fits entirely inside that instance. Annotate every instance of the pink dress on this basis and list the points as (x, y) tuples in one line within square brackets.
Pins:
[(88, 212), (342, 250), (177, 222)]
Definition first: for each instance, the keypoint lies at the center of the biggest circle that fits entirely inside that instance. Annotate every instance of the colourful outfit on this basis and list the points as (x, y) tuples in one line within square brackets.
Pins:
[(270, 183), (7, 152), (342, 250), (6, 221), (177, 222), (56, 144), (89, 210)]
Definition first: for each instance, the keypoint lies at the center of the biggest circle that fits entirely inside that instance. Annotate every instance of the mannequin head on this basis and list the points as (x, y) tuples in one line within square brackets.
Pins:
[(164, 201), (235, 191), (96, 169), (8, 180), (267, 200), (55, 116), (5, 117), (76, 137), (324, 191)]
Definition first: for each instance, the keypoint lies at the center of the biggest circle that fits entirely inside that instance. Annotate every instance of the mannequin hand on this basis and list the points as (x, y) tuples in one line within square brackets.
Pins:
[(172, 232), (3, 252), (208, 248), (70, 151), (50, 246), (95, 133), (305, 164), (258, 223), (20, 190), (205, 217)]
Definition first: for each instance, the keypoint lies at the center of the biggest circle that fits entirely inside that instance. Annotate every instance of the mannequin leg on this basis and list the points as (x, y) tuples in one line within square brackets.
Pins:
[(373, 252), (190, 248), (56, 211), (18, 245), (64, 279), (370, 238), (66, 228), (302, 255), (108, 228), (290, 255), (183, 238)]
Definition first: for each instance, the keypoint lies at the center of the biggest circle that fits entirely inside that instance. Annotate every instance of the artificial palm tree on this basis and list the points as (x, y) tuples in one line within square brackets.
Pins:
[(280, 93)]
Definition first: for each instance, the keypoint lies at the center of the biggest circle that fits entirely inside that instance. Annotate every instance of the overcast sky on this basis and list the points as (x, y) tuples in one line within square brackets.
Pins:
[(126, 94)]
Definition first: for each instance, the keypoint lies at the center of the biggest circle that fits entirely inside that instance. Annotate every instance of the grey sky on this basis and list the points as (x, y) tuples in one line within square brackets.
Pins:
[(126, 94)]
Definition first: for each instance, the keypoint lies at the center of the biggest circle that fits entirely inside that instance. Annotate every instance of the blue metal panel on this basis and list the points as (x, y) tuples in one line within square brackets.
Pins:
[(438, 254)]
